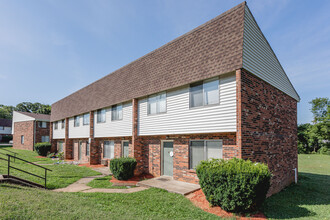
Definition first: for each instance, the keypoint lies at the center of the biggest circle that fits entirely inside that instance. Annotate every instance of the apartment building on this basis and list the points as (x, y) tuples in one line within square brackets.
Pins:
[(217, 91), (29, 129), (5, 127)]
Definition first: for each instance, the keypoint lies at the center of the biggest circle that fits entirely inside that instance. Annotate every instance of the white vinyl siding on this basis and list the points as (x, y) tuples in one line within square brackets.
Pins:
[(78, 132), (260, 59), (181, 119), (118, 128), (58, 133)]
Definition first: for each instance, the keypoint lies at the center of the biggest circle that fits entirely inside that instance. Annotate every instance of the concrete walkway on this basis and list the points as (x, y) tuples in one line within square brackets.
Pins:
[(81, 186), (167, 183)]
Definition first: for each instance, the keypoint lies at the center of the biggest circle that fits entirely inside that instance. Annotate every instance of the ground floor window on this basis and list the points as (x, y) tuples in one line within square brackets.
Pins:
[(22, 139), (204, 150), (44, 138), (87, 148), (60, 146), (125, 149), (109, 149)]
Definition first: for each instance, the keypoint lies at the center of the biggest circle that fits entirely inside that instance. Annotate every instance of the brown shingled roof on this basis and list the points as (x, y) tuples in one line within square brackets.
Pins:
[(42, 117), (5, 122), (211, 49)]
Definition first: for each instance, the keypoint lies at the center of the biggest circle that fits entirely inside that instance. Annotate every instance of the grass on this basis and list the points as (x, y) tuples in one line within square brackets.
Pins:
[(310, 198), (61, 175), (25, 203), (103, 182)]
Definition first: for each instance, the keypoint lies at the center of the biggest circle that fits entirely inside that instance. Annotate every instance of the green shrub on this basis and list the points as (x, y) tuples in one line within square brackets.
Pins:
[(235, 185), (42, 148), (123, 168), (324, 150)]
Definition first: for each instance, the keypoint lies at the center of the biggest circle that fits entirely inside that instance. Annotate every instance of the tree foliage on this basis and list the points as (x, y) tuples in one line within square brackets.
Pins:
[(7, 111), (313, 137)]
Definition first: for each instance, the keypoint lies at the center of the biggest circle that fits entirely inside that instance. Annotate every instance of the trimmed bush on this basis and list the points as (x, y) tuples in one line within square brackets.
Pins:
[(42, 148), (235, 185), (6, 138), (123, 168)]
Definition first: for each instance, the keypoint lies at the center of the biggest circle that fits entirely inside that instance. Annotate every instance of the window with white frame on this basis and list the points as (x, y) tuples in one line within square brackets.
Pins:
[(76, 121), (63, 124), (22, 139), (42, 124), (117, 112), (44, 138), (157, 103), (204, 93), (87, 148), (56, 125), (86, 119), (204, 150), (108, 149), (100, 116)]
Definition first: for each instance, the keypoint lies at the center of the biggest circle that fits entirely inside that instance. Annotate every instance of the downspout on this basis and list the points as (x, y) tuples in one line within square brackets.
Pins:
[(34, 133), (295, 175)]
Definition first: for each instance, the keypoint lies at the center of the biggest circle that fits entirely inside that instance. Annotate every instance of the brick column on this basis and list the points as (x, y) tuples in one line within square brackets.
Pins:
[(68, 143), (52, 141), (136, 143), (239, 112), (95, 150)]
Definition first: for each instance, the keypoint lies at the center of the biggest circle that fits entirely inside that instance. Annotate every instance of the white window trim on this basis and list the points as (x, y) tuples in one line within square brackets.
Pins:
[(157, 113), (84, 119), (203, 82), (122, 111)]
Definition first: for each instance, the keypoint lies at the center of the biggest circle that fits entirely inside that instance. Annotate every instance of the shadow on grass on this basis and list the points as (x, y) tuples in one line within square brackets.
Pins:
[(312, 190)]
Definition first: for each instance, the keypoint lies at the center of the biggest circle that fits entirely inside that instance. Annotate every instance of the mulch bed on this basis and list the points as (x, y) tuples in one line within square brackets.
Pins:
[(40, 157), (199, 200), (130, 182), (92, 166)]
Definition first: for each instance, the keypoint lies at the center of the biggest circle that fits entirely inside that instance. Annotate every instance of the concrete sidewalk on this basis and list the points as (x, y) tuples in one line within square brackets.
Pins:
[(167, 183)]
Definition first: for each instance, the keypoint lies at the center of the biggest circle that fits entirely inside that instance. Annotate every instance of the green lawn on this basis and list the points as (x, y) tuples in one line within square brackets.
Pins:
[(61, 175), (310, 198), (104, 182)]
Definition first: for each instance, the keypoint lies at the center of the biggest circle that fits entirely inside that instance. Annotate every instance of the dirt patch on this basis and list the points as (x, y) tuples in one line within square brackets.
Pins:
[(199, 200)]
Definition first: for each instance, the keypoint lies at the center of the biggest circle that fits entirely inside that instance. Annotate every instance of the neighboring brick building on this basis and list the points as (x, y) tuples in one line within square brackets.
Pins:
[(30, 128), (5, 128), (218, 91)]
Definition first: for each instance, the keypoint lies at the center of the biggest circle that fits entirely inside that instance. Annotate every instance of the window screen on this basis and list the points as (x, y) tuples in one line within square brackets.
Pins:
[(157, 103), (100, 115), (204, 93), (86, 119), (204, 150), (117, 112)]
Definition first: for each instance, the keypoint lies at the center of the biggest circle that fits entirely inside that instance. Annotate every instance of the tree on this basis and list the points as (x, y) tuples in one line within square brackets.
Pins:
[(7, 111), (320, 109)]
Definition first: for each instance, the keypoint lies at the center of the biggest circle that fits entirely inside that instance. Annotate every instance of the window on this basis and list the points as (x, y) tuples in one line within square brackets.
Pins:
[(157, 103), (63, 124), (56, 125), (204, 150), (108, 149), (87, 148), (86, 119), (44, 138), (125, 148), (42, 124), (76, 121), (2, 128), (117, 112), (204, 93), (101, 116), (60, 146), (22, 139)]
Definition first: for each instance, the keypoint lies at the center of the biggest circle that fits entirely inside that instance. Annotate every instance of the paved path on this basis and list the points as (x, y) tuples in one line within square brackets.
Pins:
[(81, 186)]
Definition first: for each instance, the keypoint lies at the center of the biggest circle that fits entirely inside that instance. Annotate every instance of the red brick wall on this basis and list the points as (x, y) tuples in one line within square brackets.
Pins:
[(269, 129), (25, 128), (41, 132), (151, 152)]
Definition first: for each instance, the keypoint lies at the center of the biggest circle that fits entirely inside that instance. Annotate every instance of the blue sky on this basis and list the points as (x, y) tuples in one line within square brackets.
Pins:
[(51, 48)]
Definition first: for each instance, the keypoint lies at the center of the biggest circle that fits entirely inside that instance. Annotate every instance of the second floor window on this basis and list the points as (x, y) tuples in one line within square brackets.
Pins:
[(86, 119), (56, 125), (204, 93), (101, 116), (76, 121), (157, 103), (42, 124), (117, 112), (63, 124)]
